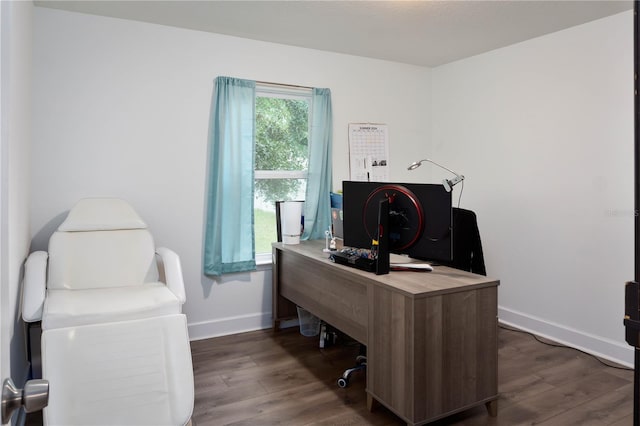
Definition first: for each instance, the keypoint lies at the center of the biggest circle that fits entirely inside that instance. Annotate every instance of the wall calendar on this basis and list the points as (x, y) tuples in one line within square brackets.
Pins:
[(368, 152)]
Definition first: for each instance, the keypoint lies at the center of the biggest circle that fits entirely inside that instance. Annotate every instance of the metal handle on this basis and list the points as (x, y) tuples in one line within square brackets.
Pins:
[(34, 397)]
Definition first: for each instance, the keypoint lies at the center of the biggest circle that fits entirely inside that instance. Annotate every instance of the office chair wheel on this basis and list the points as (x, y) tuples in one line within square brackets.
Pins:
[(361, 365)]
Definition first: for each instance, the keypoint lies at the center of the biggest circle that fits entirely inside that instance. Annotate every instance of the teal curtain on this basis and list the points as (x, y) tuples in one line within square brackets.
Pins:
[(229, 237), (317, 206)]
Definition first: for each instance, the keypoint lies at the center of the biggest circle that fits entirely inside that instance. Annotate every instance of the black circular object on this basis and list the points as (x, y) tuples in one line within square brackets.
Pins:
[(406, 217)]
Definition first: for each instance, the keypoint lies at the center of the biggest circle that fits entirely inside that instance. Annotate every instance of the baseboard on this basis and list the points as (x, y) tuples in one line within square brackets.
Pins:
[(234, 325), (617, 352), (608, 349)]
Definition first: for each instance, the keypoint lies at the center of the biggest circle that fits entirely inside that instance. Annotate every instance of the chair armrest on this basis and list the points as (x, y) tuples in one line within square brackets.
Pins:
[(171, 270), (34, 286)]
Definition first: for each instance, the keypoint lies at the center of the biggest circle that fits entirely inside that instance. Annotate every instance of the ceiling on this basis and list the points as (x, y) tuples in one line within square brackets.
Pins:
[(426, 33)]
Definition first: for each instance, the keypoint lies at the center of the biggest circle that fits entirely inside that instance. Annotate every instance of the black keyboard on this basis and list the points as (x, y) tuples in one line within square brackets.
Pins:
[(354, 260)]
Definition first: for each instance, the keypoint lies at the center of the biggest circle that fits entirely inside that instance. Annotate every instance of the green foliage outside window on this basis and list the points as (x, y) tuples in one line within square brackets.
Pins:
[(282, 143)]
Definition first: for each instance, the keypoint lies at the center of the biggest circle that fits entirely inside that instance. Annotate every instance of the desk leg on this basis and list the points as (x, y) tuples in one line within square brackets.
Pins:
[(492, 407)]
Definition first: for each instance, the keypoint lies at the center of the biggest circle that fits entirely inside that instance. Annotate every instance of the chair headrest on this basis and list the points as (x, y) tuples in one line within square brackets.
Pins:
[(101, 214)]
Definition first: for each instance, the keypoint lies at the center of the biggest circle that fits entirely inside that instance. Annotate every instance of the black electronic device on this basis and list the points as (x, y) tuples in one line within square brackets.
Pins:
[(356, 258), (375, 259), (632, 313), (419, 218), (382, 239)]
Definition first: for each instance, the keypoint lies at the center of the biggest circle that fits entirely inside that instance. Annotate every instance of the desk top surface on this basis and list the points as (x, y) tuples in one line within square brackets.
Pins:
[(442, 279)]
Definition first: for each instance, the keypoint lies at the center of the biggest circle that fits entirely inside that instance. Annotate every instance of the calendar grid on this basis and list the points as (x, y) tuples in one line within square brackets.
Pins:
[(368, 152)]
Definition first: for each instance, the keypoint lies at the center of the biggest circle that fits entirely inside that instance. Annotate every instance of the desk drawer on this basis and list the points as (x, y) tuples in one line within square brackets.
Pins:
[(327, 292)]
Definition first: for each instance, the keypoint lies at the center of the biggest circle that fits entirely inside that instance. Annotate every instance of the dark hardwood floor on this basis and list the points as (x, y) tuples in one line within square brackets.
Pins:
[(266, 378), (283, 378)]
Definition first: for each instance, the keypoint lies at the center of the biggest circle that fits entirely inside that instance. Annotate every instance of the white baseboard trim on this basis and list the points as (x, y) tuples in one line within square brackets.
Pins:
[(234, 325), (608, 349)]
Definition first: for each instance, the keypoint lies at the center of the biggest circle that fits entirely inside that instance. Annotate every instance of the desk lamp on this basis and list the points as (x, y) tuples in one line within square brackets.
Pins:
[(447, 183)]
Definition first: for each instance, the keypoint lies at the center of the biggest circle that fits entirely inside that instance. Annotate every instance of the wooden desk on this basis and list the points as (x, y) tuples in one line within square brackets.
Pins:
[(431, 337)]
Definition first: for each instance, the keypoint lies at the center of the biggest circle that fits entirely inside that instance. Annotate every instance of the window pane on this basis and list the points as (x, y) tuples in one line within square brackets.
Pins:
[(282, 131), (265, 208)]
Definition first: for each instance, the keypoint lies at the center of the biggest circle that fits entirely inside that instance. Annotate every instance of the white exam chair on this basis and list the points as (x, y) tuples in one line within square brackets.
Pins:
[(102, 266), (115, 347)]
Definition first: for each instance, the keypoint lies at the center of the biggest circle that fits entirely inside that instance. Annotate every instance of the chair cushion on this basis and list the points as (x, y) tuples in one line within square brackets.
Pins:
[(102, 214), (132, 372), (65, 308), (81, 260)]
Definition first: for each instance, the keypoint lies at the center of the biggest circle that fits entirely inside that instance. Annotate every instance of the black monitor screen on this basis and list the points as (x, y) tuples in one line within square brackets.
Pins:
[(419, 217)]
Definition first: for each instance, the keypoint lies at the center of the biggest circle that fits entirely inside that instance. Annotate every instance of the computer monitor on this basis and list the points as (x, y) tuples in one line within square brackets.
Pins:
[(419, 218)]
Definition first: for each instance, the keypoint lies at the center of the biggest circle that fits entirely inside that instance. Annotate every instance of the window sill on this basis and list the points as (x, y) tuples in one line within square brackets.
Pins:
[(263, 261)]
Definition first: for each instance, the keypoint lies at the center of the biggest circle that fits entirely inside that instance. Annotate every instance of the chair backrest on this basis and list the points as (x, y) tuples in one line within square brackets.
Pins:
[(467, 246), (102, 243)]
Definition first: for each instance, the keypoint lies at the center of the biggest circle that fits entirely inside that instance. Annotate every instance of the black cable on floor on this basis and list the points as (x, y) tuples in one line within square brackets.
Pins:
[(558, 345)]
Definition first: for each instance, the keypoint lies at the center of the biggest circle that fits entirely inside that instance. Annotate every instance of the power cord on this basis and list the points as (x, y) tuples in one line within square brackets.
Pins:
[(557, 345)]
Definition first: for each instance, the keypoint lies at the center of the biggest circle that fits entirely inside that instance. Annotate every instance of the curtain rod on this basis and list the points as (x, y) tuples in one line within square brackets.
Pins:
[(285, 85)]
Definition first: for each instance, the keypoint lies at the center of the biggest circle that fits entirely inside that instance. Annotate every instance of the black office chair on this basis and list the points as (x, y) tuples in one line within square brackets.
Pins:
[(361, 365), (467, 247)]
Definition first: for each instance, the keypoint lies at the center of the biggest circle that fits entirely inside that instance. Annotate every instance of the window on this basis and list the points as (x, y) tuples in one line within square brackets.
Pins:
[(281, 156), (229, 241)]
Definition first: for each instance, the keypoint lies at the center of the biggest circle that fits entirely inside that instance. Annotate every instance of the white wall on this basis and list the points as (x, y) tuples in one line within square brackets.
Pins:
[(543, 131), (15, 143), (121, 109)]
